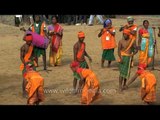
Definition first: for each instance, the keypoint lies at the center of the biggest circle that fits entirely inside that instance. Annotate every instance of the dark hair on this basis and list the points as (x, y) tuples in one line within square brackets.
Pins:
[(104, 23), (145, 21), (55, 16), (28, 34), (34, 17)]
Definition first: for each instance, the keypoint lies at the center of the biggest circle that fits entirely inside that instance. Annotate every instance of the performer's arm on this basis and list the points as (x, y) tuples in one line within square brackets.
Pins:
[(86, 54), (60, 33), (135, 48), (22, 53), (100, 34), (134, 31), (119, 51), (112, 32), (139, 41), (75, 50), (82, 81)]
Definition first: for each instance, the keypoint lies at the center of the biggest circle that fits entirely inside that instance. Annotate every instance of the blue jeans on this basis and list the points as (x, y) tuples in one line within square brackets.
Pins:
[(98, 16)]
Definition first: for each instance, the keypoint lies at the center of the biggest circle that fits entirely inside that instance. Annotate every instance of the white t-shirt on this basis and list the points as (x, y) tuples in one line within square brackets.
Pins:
[(37, 25), (19, 16)]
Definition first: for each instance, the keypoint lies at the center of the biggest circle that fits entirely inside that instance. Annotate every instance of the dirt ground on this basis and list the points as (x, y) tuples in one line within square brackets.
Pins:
[(58, 80)]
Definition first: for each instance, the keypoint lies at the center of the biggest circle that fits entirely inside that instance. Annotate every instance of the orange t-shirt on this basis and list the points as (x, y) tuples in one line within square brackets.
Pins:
[(108, 40)]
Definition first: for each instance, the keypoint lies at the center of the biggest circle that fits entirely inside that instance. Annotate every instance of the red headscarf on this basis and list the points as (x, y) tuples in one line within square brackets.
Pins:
[(141, 67), (28, 38), (74, 64), (79, 70), (81, 34)]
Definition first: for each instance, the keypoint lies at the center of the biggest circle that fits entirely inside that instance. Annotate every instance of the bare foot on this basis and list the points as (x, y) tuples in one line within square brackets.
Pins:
[(79, 91), (125, 87), (146, 103), (83, 103), (50, 65), (132, 65), (102, 66), (74, 92), (120, 90), (37, 103), (24, 95), (97, 97)]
